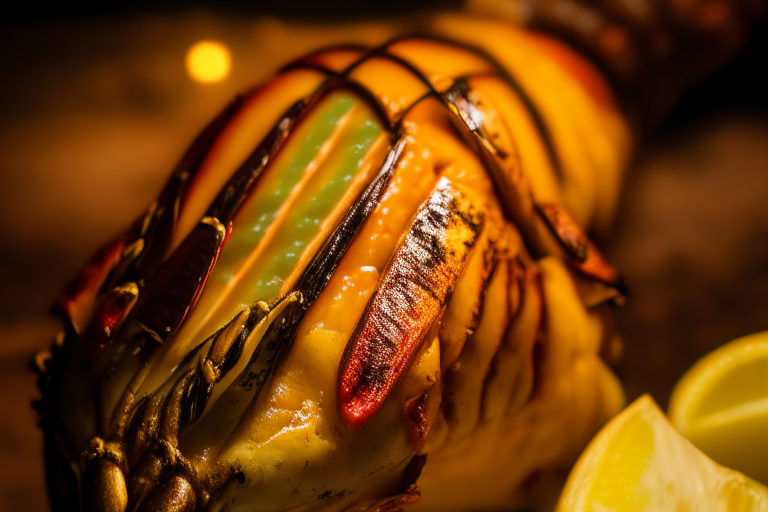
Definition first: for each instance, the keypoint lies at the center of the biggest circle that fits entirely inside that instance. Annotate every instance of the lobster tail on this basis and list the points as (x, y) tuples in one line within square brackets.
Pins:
[(376, 260)]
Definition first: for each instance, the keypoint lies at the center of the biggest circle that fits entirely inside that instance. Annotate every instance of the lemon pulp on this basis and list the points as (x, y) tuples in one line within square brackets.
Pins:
[(721, 405), (639, 462)]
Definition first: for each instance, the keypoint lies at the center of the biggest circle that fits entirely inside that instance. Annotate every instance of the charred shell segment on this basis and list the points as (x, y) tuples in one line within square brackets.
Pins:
[(79, 297), (566, 231), (597, 267), (112, 311), (129, 256), (371, 230), (514, 126), (173, 292), (411, 294), (463, 311), (487, 128), (495, 144), (479, 122), (583, 254)]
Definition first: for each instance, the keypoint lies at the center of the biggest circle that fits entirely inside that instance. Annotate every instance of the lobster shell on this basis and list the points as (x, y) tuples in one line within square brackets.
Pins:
[(374, 261)]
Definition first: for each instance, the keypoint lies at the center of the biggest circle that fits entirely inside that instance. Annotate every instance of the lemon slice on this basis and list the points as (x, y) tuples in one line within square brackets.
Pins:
[(638, 462), (721, 405)]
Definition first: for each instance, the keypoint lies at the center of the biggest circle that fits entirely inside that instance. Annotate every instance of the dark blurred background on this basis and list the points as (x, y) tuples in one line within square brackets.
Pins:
[(96, 107)]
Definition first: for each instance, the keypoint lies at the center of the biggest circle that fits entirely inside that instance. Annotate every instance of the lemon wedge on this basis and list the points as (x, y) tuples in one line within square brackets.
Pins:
[(721, 405), (638, 462)]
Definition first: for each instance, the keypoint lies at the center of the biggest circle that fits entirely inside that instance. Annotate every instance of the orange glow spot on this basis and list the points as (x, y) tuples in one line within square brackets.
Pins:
[(208, 61)]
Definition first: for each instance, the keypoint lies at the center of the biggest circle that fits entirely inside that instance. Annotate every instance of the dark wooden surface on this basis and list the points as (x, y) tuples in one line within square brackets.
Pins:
[(95, 113)]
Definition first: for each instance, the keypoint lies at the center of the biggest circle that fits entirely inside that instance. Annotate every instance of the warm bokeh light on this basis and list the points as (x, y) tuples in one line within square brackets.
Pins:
[(208, 61)]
